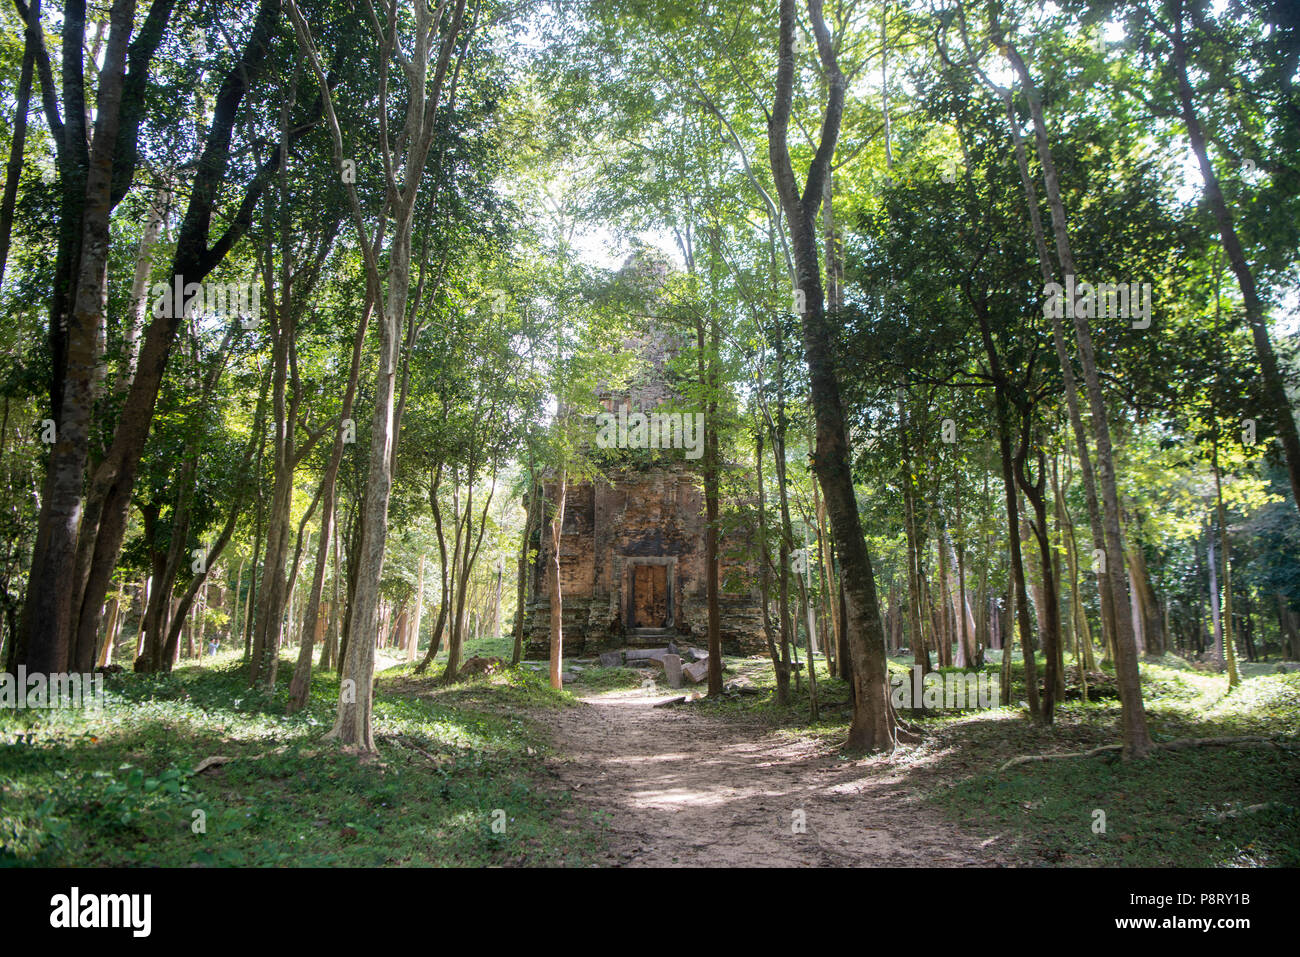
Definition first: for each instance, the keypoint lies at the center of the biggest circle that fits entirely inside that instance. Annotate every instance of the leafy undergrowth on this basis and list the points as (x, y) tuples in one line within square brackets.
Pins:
[(1201, 807), (118, 787)]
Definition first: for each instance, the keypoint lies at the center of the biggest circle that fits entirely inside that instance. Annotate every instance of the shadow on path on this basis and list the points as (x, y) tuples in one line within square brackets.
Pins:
[(685, 788)]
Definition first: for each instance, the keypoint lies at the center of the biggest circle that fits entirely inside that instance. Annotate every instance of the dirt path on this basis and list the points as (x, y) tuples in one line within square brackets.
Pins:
[(684, 788)]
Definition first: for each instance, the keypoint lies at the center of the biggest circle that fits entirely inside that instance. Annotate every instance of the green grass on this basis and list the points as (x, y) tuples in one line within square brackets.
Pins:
[(119, 788), (486, 647), (1202, 807)]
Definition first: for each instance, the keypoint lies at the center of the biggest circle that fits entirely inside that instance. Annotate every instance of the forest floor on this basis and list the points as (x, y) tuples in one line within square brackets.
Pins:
[(679, 786), (195, 768), (728, 783)]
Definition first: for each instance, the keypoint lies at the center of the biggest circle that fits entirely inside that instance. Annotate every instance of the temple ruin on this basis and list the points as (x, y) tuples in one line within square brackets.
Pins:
[(632, 551)]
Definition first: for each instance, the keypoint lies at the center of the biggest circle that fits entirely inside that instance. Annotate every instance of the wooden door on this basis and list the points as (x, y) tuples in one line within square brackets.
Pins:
[(650, 596)]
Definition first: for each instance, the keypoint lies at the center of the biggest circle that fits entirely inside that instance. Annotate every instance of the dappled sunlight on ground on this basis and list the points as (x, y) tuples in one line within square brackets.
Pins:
[(683, 786)]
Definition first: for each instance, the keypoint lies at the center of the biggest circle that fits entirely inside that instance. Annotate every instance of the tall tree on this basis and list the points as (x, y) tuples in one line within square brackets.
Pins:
[(433, 33), (873, 727)]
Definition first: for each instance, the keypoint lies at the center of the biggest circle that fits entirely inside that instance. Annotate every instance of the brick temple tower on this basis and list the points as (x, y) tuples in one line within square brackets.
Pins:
[(632, 568)]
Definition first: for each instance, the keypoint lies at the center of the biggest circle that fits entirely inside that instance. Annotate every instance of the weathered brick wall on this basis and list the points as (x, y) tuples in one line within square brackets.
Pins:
[(648, 507), (655, 513)]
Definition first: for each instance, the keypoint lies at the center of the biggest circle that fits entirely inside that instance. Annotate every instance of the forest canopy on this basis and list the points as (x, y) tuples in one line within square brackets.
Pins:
[(971, 331)]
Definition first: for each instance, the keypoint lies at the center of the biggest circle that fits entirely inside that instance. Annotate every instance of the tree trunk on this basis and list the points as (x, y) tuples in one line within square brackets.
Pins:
[(1274, 387), (1148, 605), (711, 500), (110, 631), (234, 612), (873, 726), (1009, 469), (17, 147), (352, 725), (557, 609), (300, 685), (521, 585), (1070, 383), (108, 497), (829, 589), (139, 300), (46, 640), (1047, 600), (1229, 649), (920, 653), (1215, 617), (765, 577), (329, 653), (413, 645), (1137, 738)]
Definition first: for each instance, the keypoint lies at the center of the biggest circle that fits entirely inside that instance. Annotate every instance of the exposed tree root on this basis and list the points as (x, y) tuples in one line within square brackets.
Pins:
[(1031, 758), (1180, 744), (1251, 809)]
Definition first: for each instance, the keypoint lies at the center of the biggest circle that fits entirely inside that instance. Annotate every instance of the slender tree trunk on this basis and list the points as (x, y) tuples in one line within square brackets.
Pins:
[(1274, 387), (352, 726), (1010, 467), (139, 299), (1148, 605), (16, 149), (469, 556), (1046, 598), (1215, 617), (272, 595), (46, 641), (787, 630), (521, 585), (1229, 649), (1137, 738), (832, 607), (1015, 588), (805, 604), (920, 653), (300, 685), (1070, 383), (873, 726), (711, 499), (412, 646), (234, 613), (765, 578), (329, 653), (557, 609), (106, 653)]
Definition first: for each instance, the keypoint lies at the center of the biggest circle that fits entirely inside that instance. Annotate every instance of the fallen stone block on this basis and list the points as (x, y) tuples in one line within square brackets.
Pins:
[(696, 671), (673, 670)]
